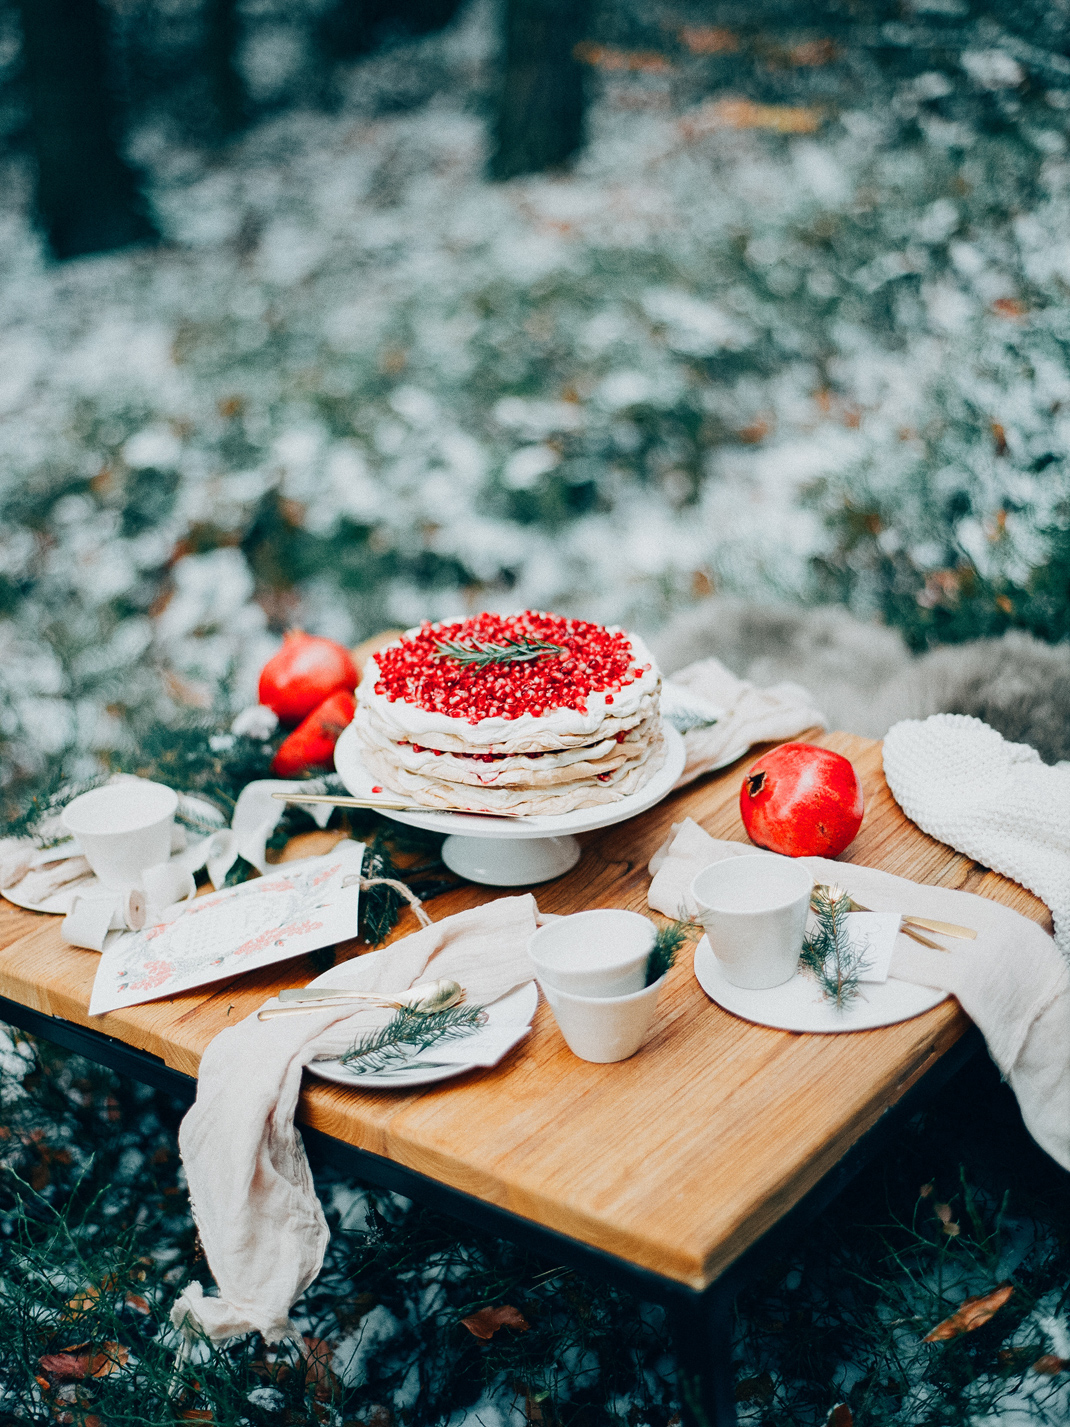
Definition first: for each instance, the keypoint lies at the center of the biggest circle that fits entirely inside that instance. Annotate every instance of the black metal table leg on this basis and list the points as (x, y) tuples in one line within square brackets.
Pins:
[(702, 1336)]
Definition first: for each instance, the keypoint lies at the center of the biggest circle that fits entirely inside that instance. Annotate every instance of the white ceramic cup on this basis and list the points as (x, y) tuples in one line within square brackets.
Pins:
[(123, 828), (598, 953), (754, 911), (603, 1028)]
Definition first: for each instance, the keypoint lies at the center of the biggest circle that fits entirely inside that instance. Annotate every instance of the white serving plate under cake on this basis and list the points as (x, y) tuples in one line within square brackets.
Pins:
[(514, 852)]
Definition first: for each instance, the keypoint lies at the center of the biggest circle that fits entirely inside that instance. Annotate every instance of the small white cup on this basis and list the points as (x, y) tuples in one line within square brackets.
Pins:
[(123, 828), (603, 1028), (754, 911), (598, 953)]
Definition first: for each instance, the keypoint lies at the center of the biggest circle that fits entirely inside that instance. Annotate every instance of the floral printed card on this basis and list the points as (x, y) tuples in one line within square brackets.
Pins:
[(293, 908)]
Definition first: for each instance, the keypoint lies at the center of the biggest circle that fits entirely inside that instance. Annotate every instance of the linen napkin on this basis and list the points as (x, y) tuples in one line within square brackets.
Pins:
[(963, 783), (253, 1199), (750, 715), (1011, 981)]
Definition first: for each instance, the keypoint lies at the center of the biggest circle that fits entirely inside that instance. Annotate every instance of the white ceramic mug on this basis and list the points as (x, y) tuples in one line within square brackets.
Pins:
[(603, 1028), (123, 828), (598, 953), (754, 911)]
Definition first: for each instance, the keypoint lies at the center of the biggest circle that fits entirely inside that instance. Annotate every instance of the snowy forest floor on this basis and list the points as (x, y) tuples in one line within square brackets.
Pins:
[(796, 325), (98, 1240)]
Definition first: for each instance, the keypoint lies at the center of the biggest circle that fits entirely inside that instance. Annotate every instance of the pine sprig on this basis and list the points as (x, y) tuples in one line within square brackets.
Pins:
[(667, 943), (509, 651), (828, 952), (409, 1033)]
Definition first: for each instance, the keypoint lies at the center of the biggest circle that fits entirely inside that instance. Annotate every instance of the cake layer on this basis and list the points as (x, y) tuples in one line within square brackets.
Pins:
[(462, 797), (535, 770), (531, 738)]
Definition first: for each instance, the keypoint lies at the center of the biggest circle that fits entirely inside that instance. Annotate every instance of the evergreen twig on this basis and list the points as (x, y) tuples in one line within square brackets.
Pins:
[(828, 952), (509, 651), (409, 1033), (667, 943)]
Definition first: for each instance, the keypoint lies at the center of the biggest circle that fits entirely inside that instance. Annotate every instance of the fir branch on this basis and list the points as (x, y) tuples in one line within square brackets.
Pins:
[(409, 1033), (509, 651), (667, 943), (827, 951)]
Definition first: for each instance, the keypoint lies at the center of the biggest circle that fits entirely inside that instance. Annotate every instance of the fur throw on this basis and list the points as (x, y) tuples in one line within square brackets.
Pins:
[(865, 679)]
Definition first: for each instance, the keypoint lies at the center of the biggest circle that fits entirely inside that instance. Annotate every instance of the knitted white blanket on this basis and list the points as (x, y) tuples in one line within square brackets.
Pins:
[(963, 783)]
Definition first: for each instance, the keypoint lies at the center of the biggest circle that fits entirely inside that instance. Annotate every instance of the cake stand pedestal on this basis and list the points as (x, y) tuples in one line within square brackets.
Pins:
[(515, 852)]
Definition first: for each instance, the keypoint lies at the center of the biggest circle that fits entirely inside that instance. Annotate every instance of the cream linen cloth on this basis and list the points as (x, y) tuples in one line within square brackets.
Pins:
[(963, 783), (751, 715), (1011, 981), (251, 1188)]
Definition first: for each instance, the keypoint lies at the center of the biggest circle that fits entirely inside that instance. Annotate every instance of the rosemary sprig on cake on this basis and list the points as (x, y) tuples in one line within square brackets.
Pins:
[(409, 1033), (509, 651), (828, 953)]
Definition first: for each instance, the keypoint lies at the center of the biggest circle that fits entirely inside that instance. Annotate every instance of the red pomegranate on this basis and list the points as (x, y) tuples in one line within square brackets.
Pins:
[(801, 801), (310, 748), (303, 673)]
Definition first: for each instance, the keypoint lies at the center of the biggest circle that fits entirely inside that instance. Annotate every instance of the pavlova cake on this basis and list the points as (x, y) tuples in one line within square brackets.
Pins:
[(525, 713)]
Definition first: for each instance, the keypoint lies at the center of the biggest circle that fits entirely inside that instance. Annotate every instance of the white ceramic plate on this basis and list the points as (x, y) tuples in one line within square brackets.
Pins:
[(359, 781), (515, 1009), (799, 1005)]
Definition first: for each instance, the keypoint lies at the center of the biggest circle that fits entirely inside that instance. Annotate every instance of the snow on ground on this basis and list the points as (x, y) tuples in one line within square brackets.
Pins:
[(361, 385)]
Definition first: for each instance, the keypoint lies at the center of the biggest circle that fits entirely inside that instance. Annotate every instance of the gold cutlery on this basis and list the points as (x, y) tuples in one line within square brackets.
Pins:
[(424, 997), (909, 923), (387, 804)]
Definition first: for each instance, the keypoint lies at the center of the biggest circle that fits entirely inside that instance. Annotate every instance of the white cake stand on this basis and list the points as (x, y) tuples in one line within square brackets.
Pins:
[(514, 852)]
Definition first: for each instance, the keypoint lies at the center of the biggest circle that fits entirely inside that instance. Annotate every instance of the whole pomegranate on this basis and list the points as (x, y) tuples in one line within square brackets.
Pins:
[(305, 671), (801, 801), (310, 748)]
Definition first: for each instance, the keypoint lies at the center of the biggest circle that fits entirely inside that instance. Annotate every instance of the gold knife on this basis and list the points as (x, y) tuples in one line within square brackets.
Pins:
[(390, 804)]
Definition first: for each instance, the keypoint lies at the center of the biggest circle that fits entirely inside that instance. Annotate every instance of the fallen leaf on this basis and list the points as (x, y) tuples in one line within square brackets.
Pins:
[(318, 1372), (709, 40), (71, 1365), (813, 52), (1051, 1364), (745, 114), (196, 1414), (486, 1322), (1009, 307), (840, 1416), (999, 437), (972, 1313), (139, 1304), (755, 1389), (611, 58), (88, 1298)]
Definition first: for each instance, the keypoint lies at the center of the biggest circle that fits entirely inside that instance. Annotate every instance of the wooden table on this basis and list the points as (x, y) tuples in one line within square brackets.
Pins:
[(665, 1171)]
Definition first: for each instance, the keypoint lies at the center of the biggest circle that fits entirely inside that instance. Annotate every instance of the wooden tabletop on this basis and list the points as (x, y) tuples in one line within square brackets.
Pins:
[(677, 1159)]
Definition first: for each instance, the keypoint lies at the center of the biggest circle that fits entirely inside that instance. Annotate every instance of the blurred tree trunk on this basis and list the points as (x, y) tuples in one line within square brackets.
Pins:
[(222, 35), (352, 28), (539, 123), (87, 195)]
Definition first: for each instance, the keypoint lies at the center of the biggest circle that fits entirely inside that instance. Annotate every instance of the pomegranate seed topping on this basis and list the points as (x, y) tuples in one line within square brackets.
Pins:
[(593, 660)]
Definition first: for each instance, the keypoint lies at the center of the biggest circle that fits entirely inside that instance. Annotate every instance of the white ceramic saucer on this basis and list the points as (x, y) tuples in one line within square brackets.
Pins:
[(799, 1004), (515, 1009)]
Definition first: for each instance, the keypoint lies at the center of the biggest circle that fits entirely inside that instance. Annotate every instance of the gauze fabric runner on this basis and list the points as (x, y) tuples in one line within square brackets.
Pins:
[(254, 1202), (1011, 981), (751, 716), (963, 783)]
